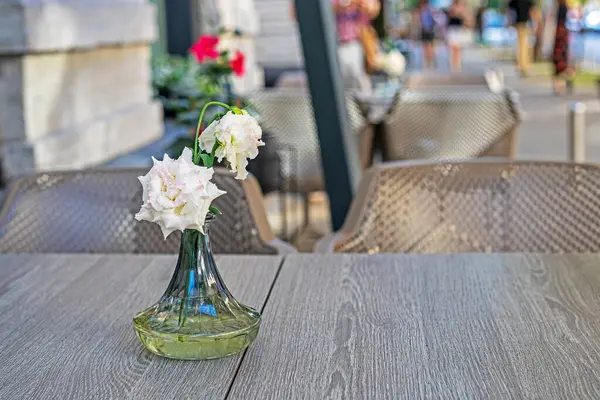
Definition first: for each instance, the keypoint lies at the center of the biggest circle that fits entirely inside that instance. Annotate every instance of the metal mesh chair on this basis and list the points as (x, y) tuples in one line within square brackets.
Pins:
[(288, 115), (421, 80), (292, 79), (473, 207), (444, 123), (93, 211)]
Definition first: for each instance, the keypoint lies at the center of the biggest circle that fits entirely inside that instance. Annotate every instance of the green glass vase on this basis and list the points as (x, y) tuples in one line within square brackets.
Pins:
[(197, 318)]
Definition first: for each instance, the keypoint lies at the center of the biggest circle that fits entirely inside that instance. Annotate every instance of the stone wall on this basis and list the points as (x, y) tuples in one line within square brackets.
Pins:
[(278, 44), (74, 82)]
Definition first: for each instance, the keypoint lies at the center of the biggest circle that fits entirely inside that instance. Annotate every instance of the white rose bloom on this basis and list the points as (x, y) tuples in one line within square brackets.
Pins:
[(238, 138), (177, 194), (393, 63)]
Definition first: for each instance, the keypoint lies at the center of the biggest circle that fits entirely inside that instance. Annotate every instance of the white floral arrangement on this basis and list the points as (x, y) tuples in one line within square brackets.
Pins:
[(178, 193), (392, 63)]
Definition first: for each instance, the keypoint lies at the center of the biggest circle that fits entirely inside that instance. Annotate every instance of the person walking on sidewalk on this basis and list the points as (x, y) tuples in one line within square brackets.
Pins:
[(479, 20), (560, 52), (427, 22), (350, 18), (522, 15), (459, 34)]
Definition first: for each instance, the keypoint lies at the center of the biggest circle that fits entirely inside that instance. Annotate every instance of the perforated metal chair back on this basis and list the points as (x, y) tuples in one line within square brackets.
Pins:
[(93, 211), (444, 123), (474, 207), (423, 80), (288, 115)]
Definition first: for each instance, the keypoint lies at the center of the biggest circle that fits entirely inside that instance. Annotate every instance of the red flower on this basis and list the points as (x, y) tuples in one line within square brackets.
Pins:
[(237, 63), (205, 48)]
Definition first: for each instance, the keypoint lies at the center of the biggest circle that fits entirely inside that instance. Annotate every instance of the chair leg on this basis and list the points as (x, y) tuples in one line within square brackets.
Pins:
[(306, 205), (283, 210)]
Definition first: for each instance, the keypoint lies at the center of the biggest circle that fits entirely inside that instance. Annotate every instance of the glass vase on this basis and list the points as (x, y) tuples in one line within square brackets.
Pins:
[(197, 318)]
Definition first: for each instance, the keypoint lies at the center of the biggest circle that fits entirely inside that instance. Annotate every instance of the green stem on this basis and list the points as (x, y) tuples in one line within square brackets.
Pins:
[(188, 258), (182, 306), (184, 301), (210, 103)]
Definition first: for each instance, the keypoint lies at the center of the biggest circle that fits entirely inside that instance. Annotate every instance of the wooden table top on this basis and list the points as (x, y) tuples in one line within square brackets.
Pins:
[(66, 329), (420, 326), (334, 326)]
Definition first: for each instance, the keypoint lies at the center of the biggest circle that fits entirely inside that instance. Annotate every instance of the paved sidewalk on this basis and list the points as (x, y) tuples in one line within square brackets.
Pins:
[(544, 131)]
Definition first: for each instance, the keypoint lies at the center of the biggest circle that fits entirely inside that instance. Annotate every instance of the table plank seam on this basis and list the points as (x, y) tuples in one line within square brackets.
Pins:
[(262, 309)]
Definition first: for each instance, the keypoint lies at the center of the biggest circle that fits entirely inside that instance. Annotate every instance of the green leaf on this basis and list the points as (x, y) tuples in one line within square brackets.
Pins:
[(214, 210), (206, 162)]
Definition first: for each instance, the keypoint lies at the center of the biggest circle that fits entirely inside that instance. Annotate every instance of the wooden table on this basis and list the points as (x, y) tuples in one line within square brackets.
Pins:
[(66, 328), (335, 326), (443, 326)]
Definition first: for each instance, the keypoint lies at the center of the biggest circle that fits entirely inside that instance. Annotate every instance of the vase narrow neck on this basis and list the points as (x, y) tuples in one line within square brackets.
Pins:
[(196, 274)]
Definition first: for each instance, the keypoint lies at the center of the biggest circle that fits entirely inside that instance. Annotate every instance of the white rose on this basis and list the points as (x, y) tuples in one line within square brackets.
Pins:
[(393, 63), (177, 194), (238, 137)]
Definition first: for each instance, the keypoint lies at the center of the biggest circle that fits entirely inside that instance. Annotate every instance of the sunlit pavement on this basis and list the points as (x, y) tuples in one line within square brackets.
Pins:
[(544, 131)]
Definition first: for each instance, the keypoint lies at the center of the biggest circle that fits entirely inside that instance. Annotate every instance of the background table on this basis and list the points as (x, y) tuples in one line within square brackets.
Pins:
[(66, 330), (440, 326)]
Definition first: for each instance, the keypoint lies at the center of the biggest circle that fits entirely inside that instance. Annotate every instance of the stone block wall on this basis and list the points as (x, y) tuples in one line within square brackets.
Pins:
[(74, 82), (278, 45)]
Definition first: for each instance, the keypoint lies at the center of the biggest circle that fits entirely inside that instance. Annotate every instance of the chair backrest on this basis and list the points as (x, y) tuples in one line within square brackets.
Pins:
[(474, 207), (423, 80), (292, 79), (92, 211), (288, 115), (450, 123)]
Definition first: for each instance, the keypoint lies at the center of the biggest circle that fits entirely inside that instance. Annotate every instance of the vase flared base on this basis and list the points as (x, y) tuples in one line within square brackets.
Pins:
[(230, 337)]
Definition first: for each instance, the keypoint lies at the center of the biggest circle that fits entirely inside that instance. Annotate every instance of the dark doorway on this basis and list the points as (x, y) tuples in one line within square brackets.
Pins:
[(179, 26)]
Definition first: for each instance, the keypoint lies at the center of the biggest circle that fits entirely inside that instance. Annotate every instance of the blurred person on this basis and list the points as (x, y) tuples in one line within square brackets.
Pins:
[(350, 17), (522, 15), (560, 52), (427, 25), (370, 43), (538, 22), (479, 20), (459, 33)]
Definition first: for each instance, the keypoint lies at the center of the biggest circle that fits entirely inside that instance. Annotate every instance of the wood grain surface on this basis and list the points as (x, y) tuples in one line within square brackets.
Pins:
[(419, 326), (66, 329)]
